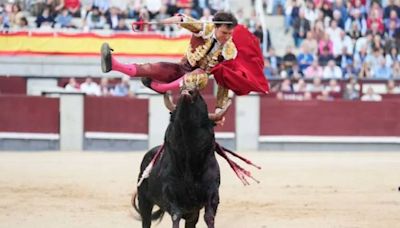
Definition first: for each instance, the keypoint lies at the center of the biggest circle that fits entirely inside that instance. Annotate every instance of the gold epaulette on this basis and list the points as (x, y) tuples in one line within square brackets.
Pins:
[(229, 51)]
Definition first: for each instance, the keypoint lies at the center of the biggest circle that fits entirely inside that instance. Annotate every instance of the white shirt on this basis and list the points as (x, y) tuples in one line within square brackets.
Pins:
[(91, 88), (334, 72)]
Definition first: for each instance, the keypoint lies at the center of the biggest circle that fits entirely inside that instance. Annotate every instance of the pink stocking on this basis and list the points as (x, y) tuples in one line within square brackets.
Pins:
[(164, 87)]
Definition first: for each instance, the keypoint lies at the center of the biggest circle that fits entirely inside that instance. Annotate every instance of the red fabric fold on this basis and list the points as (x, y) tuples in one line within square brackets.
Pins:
[(245, 73)]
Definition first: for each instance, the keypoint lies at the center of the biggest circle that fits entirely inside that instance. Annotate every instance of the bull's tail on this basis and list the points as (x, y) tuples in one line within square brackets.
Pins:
[(157, 215)]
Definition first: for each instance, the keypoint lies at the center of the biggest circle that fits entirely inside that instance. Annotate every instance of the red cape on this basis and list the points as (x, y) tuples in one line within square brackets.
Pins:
[(245, 73)]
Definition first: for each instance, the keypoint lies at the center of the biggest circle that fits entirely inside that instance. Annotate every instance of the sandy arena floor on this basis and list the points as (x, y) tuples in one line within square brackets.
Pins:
[(90, 189)]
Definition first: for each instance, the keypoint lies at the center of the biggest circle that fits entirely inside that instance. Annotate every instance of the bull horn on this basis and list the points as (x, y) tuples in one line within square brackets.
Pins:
[(219, 115), (168, 102)]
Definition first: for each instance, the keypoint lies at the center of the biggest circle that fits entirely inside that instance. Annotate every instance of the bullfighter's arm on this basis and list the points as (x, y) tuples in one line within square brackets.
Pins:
[(204, 30), (223, 95)]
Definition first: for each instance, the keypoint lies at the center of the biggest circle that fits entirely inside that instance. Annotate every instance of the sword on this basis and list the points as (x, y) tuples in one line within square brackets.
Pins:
[(142, 23)]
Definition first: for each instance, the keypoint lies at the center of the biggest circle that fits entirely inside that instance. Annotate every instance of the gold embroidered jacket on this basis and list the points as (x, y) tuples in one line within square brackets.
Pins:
[(199, 54)]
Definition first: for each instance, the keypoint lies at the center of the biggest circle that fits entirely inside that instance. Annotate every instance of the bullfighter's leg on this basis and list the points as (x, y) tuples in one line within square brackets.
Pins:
[(192, 220), (211, 210), (161, 72), (146, 208)]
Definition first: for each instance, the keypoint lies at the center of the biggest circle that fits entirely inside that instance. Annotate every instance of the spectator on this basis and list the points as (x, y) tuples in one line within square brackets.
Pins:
[(382, 71), (300, 86), (316, 86), (350, 71), (260, 35), (392, 18), (105, 87), (360, 57), (396, 70), (295, 72), (392, 32), (206, 15), (305, 58), (344, 58), (289, 59), (363, 42), (94, 19), (332, 71), (90, 87), (45, 19), (313, 71), (344, 42), (326, 42), (274, 60), (310, 12), (337, 16), (365, 71), (342, 11), (123, 88), (327, 10), (121, 25), (113, 17), (3, 22), (72, 85), (334, 31), (391, 6), (310, 43), (268, 70), (392, 56), (73, 6), (318, 30), (391, 87), (371, 95), (286, 86), (356, 20), (325, 57), (374, 59), (101, 5), (352, 91), (377, 42), (300, 28), (325, 96), (375, 21), (333, 86), (64, 20)]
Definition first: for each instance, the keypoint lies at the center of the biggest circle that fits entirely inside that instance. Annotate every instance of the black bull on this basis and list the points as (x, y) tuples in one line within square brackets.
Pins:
[(186, 177)]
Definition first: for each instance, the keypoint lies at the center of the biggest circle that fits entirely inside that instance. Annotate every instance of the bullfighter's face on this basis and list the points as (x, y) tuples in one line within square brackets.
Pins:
[(223, 33)]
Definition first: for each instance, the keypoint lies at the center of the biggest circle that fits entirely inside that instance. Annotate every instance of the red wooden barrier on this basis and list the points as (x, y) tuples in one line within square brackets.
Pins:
[(12, 85), (29, 114), (335, 118), (116, 115)]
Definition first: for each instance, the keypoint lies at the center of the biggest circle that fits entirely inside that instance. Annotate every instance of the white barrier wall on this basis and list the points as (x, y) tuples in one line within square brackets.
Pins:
[(247, 122), (71, 122)]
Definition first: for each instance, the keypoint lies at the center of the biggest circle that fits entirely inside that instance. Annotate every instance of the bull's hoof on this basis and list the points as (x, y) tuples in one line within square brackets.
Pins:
[(106, 58)]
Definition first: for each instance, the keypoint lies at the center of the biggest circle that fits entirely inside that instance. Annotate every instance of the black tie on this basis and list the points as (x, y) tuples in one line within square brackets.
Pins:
[(214, 41)]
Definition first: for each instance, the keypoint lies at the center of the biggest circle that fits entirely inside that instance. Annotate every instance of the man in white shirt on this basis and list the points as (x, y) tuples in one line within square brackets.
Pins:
[(332, 71), (90, 87)]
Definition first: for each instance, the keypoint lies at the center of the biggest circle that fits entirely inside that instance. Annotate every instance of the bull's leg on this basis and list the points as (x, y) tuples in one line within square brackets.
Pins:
[(211, 210), (192, 221), (175, 220), (145, 207)]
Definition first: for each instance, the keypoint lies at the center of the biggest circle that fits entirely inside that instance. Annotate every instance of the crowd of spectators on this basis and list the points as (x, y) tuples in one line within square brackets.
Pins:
[(89, 15), (336, 40), (333, 40), (122, 88)]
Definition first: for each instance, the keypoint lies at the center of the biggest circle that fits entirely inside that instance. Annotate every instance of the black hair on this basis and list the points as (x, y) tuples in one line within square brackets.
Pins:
[(225, 17)]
